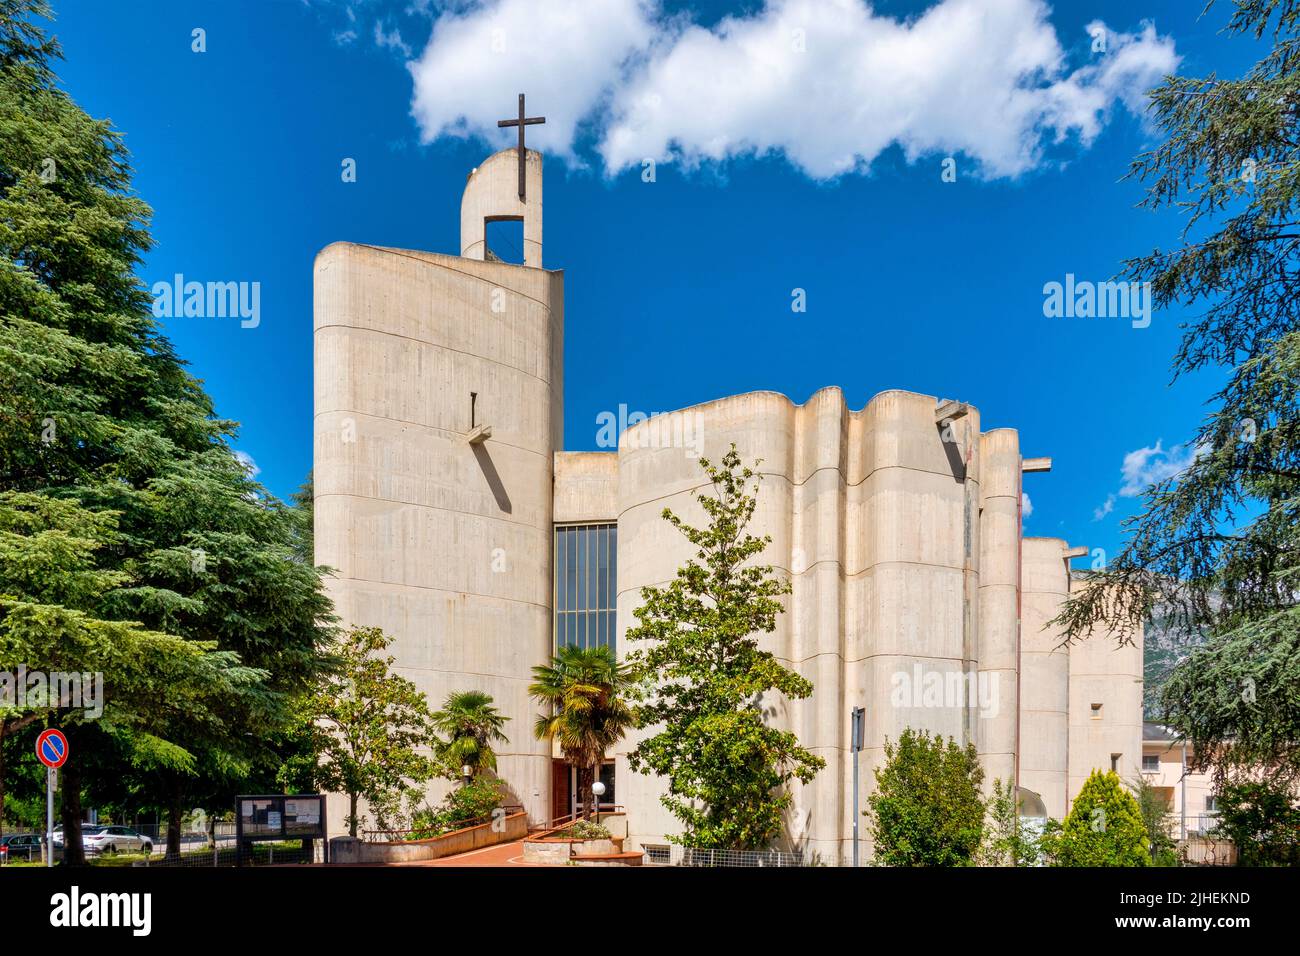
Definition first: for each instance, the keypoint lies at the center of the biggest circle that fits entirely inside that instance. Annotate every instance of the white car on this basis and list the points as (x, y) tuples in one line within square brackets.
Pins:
[(114, 839)]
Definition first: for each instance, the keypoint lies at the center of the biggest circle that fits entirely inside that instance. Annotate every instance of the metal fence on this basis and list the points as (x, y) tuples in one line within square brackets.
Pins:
[(256, 854), (672, 855)]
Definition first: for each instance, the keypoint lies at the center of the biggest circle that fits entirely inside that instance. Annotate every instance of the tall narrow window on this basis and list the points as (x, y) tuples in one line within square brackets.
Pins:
[(585, 585)]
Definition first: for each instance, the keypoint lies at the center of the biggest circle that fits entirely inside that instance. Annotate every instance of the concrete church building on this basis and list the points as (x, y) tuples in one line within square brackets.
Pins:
[(457, 522)]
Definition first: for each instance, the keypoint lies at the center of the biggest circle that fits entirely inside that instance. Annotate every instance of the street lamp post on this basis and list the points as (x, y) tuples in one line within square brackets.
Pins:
[(467, 772), (856, 741), (597, 791)]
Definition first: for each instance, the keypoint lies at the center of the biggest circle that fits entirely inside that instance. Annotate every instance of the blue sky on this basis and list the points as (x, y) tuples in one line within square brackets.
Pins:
[(679, 291)]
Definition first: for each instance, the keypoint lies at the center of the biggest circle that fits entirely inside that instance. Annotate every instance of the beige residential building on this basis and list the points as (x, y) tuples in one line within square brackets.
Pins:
[(459, 524), (1189, 797)]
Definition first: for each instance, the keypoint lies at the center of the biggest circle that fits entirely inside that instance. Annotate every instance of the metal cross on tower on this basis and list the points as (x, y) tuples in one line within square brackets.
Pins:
[(521, 122)]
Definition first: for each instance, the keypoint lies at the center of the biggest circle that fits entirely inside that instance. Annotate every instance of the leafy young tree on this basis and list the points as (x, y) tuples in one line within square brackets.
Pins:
[(1156, 818), (728, 771), (927, 809), (471, 725), (97, 410), (1219, 545), (1262, 820), (367, 728), (1007, 841), (1103, 828), (585, 691)]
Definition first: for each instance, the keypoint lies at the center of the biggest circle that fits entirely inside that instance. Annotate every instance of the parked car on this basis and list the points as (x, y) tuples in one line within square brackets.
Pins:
[(114, 839), (22, 846)]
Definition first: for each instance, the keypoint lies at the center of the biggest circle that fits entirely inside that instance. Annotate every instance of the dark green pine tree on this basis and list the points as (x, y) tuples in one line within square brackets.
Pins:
[(1217, 549), (96, 409)]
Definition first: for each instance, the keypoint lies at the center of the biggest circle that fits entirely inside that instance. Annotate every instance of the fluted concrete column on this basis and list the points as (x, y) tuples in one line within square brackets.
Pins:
[(1045, 674), (999, 604)]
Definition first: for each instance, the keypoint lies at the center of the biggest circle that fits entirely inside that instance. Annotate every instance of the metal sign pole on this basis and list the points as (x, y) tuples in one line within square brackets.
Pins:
[(857, 724), (49, 815)]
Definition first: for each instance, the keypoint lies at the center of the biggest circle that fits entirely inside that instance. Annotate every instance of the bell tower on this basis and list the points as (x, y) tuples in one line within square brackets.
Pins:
[(507, 187)]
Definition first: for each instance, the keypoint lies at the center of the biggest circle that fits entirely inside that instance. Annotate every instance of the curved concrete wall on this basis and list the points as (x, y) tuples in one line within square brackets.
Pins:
[(1045, 674), (492, 192), (868, 513), (443, 544)]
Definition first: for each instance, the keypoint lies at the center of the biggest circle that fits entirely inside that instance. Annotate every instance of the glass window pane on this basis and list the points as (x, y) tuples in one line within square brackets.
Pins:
[(561, 566), (572, 548), (581, 537), (612, 597)]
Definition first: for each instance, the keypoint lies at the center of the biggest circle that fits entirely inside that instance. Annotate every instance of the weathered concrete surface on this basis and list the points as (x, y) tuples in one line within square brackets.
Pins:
[(347, 850), (1045, 674), (443, 544), (868, 513), (492, 192), (586, 486)]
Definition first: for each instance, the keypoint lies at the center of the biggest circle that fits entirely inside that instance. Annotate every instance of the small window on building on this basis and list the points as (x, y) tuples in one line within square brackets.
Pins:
[(1150, 763), (1114, 762), (1096, 711), (1211, 805)]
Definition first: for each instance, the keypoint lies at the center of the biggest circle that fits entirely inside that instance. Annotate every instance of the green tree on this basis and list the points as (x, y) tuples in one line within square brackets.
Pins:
[(471, 724), (1219, 545), (1262, 820), (96, 409), (1103, 828), (927, 809), (367, 728), (728, 771), (140, 681), (1007, 841), (1156, 819), (585, 691)]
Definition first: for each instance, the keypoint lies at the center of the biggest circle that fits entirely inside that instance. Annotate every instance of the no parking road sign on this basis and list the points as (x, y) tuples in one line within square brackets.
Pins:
[(52, 748)]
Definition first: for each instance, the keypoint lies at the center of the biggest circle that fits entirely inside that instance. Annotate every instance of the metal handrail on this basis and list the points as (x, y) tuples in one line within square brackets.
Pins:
[(369, 835), (561, 823)]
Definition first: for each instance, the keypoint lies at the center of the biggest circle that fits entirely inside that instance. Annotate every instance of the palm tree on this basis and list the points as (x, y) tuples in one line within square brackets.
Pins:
[(585, 690), (471, 724)]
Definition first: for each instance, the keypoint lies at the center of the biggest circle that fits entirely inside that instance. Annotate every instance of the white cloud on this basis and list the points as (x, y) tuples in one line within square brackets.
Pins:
[(564, 54), (1026, 506), (1105, 508), (391, 39), (829, 84), (245, 459), (1147, 466)]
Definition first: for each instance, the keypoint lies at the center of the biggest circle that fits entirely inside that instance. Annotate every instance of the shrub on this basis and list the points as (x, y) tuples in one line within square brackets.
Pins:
[(927, 809), (587, 830), (1104, 827), (464, 806), (1261, 818)]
